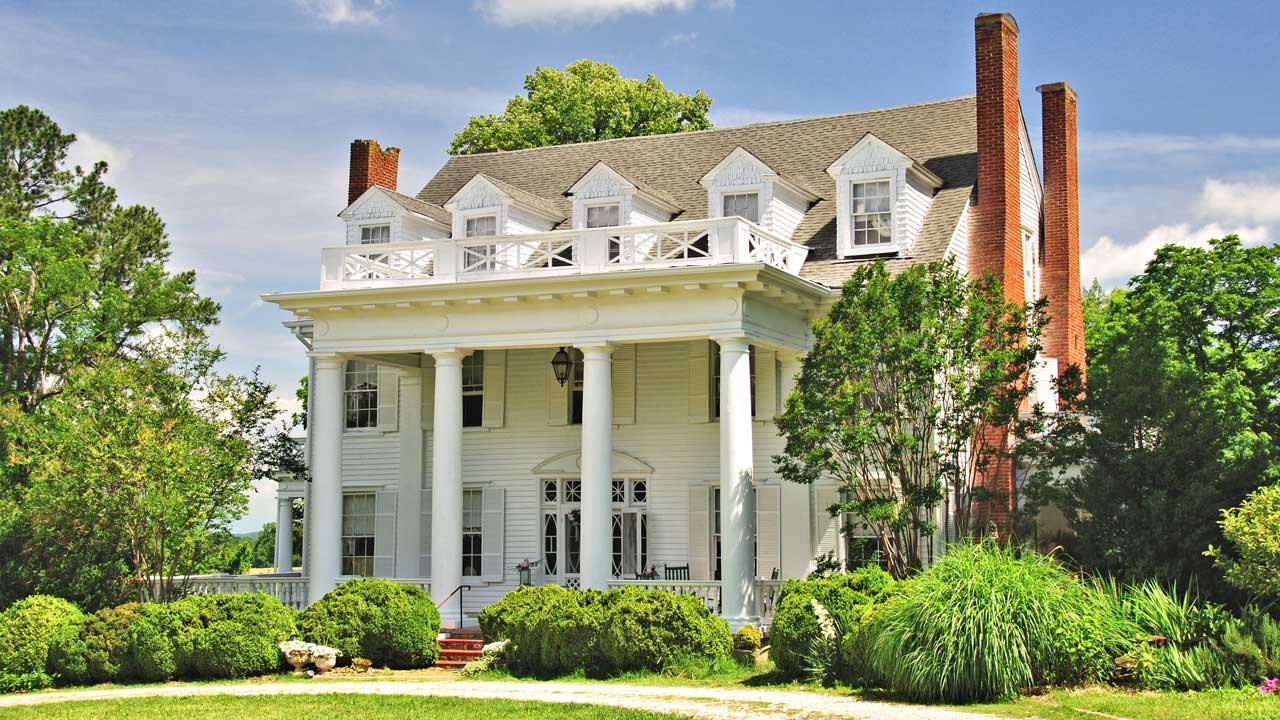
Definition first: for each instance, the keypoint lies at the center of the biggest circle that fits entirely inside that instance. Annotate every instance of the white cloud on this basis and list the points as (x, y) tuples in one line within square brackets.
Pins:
[(88, 149), (1113, 263), (522, 12), (1137, 143), (1240, 201), (344, 12), (688, 38), (731, 116)]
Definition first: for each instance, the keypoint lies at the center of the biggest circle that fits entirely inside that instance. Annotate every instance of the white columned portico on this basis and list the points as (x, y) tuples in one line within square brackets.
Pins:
[(284, 535), (446, 486), (597, 466), (325, 511), (737, 516), (409, 492)]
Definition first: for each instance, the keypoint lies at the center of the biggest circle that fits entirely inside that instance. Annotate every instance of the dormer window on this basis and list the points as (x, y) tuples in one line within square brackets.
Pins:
[(882, 197), (599, 216), (371, 234), (604, 197), (871, 213), (744, 205), (482, 226)]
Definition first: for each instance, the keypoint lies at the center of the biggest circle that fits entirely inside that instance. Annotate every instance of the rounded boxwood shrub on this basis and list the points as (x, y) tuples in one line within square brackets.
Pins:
[(106, 640), (230, 635), (651, 629), (500, 620), (846, 596), (747, 638), (41, 634), (391, 624), (159, 641), (231, 649), (985, 622)]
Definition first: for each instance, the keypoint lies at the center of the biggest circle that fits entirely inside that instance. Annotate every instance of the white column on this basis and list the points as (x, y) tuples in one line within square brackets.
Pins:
[(446, 486), (409, 492), (737, 519), (284, 535), (597, 467), (326, 476)]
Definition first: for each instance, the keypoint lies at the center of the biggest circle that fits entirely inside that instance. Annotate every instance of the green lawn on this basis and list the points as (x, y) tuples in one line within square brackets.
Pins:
[(1087, 704), (293, 707)]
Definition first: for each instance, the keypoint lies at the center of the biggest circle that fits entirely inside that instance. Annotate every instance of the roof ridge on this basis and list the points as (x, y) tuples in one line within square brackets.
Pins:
[(787, 121)]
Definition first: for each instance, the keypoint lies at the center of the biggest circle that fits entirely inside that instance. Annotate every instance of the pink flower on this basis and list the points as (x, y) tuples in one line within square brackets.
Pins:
[(1270, 685)]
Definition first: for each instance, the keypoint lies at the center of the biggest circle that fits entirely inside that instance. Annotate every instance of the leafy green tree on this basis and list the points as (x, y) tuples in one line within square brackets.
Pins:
[(1184, 369), (135, 463), (585, 101), (1253, 529), (898, 399)]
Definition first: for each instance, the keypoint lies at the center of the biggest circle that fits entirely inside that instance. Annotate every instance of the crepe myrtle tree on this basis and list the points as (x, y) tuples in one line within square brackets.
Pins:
[(911, 394)]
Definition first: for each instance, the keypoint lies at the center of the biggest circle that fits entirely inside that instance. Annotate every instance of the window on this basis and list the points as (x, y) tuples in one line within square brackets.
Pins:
[(744, 205), (562, 528), (473, 389), (472, 531), (715, 380), (715, 533), (482, 226), (372, 234), (575, 387), (602, 216), (360, 394), (871, 215), (357, 534), (1030, 266)]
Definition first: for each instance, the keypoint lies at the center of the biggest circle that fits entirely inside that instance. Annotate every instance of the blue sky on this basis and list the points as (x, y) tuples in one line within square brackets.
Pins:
[(233, 119)]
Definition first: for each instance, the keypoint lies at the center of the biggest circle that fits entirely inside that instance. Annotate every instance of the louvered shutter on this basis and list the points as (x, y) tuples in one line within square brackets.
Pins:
[(557, 396), (495, 388), (388, 399), (699, 381), (384, 535), (492, 533), (830, 538), (766, 383), (699, 532), (768, 530), (424, 558), (428, 392), (624, 385)]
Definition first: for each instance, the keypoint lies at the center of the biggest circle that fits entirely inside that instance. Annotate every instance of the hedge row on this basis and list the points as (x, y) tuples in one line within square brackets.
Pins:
[(554, 631)]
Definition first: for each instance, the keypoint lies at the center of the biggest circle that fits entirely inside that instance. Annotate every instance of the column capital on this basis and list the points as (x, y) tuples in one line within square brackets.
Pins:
[(598, 348), (447, 355), (733, 343)]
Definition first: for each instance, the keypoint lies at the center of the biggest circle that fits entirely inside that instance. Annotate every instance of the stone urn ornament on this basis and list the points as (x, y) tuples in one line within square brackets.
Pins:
[(324, 658), (297, 653)]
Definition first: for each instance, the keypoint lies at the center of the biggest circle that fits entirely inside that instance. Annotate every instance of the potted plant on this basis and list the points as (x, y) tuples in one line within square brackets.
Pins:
[(324, 658)]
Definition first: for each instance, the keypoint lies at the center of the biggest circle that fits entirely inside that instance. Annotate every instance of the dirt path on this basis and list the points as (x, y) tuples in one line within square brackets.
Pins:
[(713, 703)]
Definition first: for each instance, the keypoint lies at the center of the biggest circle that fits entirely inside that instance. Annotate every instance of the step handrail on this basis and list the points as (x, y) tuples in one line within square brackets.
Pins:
[(456, 591)]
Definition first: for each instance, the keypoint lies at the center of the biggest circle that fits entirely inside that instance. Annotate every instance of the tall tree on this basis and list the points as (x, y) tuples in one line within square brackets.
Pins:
[(893, 402), (585, 101)]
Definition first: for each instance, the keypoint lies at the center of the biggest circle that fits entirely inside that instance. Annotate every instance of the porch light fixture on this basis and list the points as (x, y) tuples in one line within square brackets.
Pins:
[(562, 364)]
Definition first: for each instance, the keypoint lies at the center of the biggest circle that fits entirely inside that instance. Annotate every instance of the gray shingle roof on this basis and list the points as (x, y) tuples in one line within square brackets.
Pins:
[(412, 204), (546, 205), (940, 135)]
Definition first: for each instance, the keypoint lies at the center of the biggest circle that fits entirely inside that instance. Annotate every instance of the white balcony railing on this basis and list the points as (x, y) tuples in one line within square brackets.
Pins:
[(562, 252)]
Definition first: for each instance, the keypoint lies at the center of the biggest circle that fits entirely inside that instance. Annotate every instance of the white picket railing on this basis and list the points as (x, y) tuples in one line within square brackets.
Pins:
[(766, 592), (562, 252), (288, 589)]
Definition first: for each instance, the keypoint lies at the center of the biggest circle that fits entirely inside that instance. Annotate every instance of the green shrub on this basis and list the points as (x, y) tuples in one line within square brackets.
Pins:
[(159, 641), (106, 639), (986, 622), (228, 636), (1253, 529), (651, 629), (41, 635), (1253, 645), (846, 596), (562, 636), (392, 624), (231, 649), (747, 638), (513, 610), (24, 682)]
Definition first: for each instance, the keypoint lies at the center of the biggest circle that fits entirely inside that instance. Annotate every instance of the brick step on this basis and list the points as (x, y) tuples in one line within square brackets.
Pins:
[(454, 654), (449, 644), (451, 664)]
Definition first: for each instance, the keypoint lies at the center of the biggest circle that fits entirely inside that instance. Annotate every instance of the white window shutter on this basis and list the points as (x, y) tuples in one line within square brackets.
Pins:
[(495, 388), (699, 532), (388, 398), (424, 524), (384, 535), (699, 381), (827, 496), (768, 530), (557, 396), (766, 383), (624, 385), (428, 392), (491, 558)]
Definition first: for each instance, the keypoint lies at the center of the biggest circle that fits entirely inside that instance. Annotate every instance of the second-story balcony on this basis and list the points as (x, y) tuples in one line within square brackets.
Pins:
[(715, 241)]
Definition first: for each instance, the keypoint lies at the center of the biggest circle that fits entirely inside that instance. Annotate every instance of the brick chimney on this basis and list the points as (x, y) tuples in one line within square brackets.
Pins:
[(1060, 273), (995, 230), (371, 165)]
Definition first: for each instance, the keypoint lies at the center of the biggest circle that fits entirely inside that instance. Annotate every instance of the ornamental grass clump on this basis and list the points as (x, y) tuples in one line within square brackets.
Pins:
[(987, 621)]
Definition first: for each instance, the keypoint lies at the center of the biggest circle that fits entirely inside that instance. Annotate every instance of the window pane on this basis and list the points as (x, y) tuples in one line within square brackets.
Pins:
[(473, 389), (602, 216), (360, 394), (744, 205), (871, 220), (472, 531), (482, 226), (375, 234), (357, 533)]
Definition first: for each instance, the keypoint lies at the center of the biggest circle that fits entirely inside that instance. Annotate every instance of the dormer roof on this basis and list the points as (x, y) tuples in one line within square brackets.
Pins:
[(428, 211), (741, 164), (481, 182), (871, 154), (602, 171)]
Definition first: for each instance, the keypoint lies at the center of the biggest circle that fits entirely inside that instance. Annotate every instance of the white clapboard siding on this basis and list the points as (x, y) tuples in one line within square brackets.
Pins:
[(624, 385), (699, 381), (828, 495), (699, 532), (557, 402), (766, 383), (768, 529), (428, 392), (495, 388), (424, 557), (384, 534), (388, 398), (493, 535)]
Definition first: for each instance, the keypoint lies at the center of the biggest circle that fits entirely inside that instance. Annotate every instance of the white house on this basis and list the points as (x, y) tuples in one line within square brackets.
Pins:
[(573, 355)]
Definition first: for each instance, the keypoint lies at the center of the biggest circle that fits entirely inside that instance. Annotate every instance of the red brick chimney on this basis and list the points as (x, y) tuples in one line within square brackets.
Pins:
[(1060, 263), (995, 228), (371, 165)]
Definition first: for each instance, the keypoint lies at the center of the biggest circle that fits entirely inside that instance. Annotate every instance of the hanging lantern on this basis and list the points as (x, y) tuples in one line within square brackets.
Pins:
[(562, 364)]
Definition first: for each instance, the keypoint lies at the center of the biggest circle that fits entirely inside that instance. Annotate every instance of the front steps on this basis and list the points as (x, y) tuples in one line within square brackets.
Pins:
[(459, 647)]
